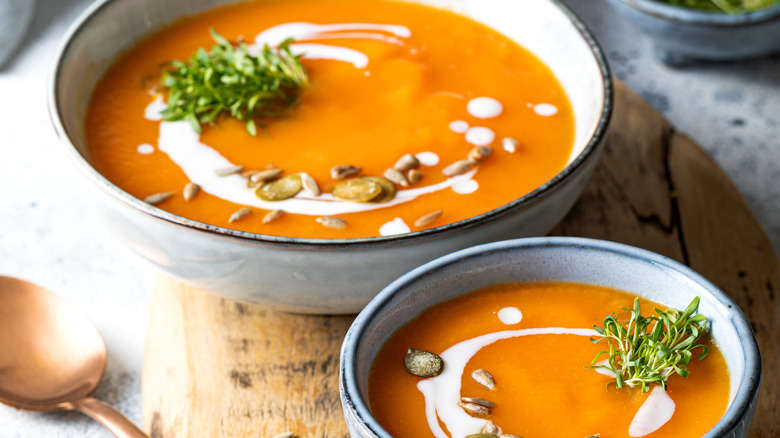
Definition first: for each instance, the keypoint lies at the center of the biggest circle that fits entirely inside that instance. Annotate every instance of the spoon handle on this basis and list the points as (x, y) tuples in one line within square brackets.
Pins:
[(103, 413)]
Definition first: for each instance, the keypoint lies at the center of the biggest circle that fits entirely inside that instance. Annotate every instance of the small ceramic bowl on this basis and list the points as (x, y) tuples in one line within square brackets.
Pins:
[(640, 272), (682, 35), (317, 275)]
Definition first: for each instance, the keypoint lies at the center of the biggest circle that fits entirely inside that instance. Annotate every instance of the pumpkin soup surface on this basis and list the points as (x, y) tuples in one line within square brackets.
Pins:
[(386, 79), (533, 340)]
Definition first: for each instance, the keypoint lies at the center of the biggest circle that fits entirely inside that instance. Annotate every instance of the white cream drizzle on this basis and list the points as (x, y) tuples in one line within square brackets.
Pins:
[(395, 226), (442, 393), (484, 107), (198, 160), (656, 411), (145, 149), (465, 187), (545, 109), (459, 126), (480, 136), (428, 158), (510, 315)]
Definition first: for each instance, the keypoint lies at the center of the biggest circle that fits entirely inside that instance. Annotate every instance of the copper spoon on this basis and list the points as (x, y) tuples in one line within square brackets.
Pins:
[(52, 357)]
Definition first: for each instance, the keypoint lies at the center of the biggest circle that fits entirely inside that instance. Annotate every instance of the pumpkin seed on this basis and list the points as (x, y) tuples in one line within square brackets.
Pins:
[(278, 190), (357, 190), (239, 214), (229, 170), (414, 176), (473, 408), (491, 428), (407, 162), (479, 401), (332, 222), (343, 171), (427, 219), (458, 167), (157, 198), (388, 189), (423, 363), (481, 435), (309, 185), (272, 216), (484, 378), (510, 144), (479, 153), (265, 175), (191, 191), (397, 177)]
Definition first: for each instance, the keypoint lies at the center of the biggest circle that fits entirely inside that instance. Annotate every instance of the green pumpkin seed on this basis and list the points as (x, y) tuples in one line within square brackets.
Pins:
[(388, 189), (278, 190), (423, 363), (358, 190)]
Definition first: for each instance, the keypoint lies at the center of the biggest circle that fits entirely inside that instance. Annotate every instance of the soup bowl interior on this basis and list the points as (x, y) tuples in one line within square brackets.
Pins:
[(268, 269), (587, 261)]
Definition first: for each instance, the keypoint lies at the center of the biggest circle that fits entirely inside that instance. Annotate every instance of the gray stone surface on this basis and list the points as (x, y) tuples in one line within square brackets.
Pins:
[(49, 234)]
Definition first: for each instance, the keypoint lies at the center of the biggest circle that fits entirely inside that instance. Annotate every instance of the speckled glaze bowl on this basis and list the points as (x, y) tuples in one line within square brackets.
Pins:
[(640, 272), (683, 35), (317, 275)]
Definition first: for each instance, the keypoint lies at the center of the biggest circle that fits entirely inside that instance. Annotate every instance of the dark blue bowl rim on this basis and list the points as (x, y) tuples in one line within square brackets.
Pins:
[(126, 200), (739, 408)]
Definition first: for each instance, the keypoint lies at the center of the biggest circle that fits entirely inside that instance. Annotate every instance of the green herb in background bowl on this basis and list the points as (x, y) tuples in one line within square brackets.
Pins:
[(728, 6), (231, 81)]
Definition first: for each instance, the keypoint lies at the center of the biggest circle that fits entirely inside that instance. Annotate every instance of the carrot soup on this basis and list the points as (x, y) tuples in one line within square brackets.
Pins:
[(400, 117), (514, 360)]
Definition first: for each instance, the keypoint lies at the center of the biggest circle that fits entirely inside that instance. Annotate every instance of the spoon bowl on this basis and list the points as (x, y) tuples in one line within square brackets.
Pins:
[(51, 356)]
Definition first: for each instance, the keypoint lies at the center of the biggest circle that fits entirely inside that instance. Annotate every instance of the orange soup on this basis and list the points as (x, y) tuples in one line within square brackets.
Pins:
[(479, 120), (533, 343)]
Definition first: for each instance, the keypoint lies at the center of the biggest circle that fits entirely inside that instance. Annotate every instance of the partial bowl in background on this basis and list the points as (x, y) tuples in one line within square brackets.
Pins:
[(682, 35), (15, 18), (550, 259), (318, 275)]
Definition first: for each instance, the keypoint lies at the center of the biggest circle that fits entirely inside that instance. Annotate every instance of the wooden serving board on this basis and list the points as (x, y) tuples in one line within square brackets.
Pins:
[(216, 368)]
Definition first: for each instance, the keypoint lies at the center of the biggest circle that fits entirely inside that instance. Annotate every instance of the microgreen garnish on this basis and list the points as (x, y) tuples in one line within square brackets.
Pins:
[(649, 349), (728, 6), (229, 80)]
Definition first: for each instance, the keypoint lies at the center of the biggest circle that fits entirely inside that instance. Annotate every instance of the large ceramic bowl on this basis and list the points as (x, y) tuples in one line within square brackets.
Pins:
[(640, 272), (315, 275), (682, 35)]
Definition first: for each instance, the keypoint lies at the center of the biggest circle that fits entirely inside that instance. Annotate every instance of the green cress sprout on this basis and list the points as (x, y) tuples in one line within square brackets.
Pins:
[(647, 350), (728, 6), (231, 81)]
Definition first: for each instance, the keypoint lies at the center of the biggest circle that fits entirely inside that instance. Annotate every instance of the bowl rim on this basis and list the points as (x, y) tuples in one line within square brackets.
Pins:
[(697, 17), (355, 406), (117, 194)]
